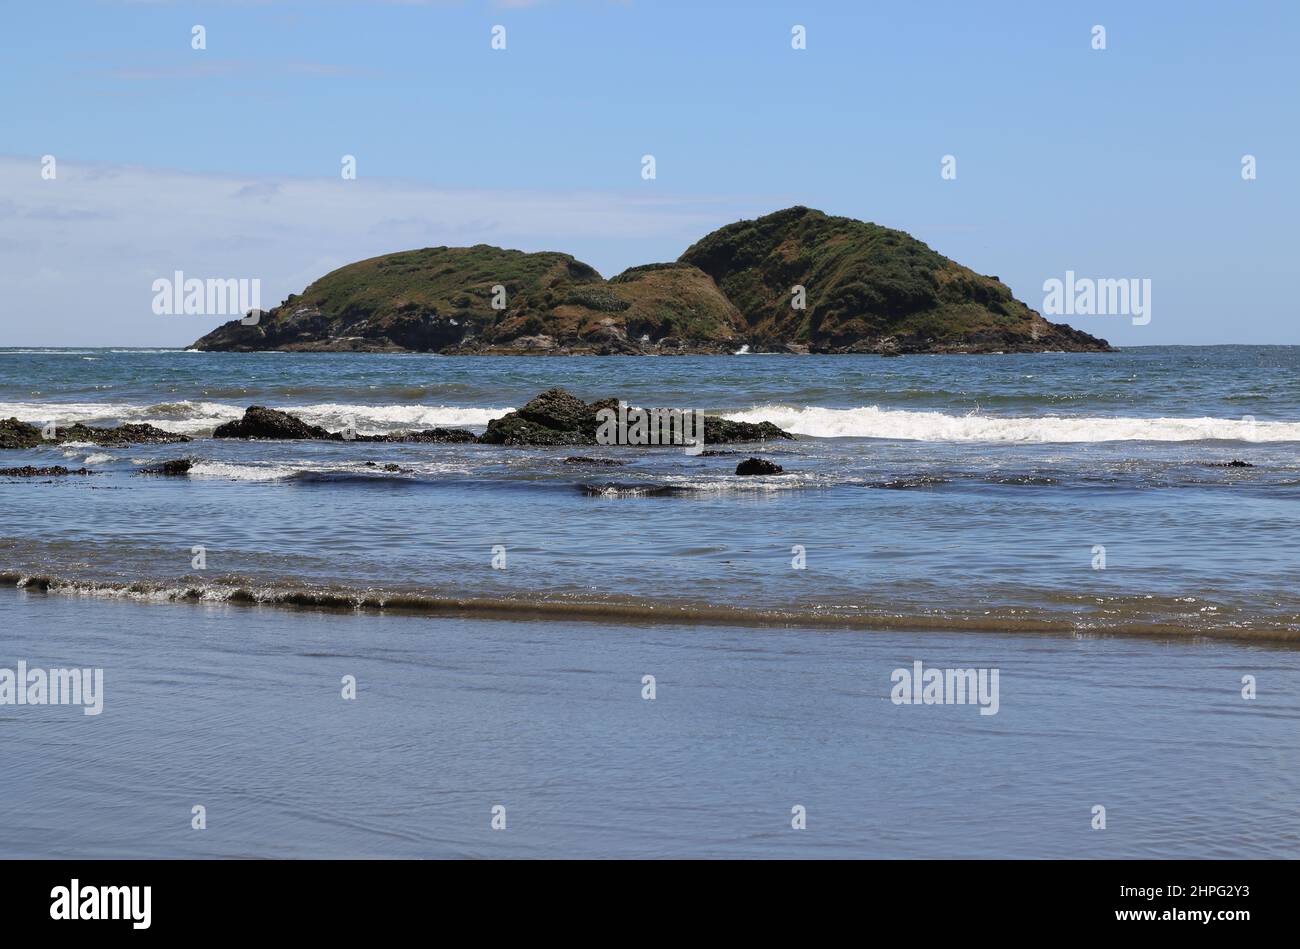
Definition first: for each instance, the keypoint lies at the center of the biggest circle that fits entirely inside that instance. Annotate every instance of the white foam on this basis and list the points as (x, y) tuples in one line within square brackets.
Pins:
[(375, 419), (183, 418), (272, 471), (875, 422), (220, 470), (199, 418)]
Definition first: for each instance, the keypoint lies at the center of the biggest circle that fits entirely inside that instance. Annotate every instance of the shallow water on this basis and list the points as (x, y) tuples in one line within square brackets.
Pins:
[(239, 710), (1008, 513), (953, 492)]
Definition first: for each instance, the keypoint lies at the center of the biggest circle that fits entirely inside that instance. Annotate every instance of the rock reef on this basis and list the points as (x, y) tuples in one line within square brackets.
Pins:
[(758, 466), (16, 434), (554, 418), (54, 471)]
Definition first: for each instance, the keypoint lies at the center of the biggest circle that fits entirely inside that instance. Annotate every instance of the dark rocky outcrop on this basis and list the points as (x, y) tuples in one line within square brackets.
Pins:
[(174, 468), (721, 431), (758, 466), (16, 434), (56, 471), (557, 417), (120, 436), (600, 462), (261, 422), (440, 436), (868, 289)]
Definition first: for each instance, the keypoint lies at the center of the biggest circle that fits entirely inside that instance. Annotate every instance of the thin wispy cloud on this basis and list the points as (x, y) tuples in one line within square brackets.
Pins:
[(92, 240)]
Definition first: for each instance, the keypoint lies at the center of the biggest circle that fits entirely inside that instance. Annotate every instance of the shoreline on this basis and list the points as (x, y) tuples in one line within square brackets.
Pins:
[(537, 608)]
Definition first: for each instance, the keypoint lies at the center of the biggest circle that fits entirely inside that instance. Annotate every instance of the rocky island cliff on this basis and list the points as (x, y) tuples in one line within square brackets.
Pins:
[(797, 281)]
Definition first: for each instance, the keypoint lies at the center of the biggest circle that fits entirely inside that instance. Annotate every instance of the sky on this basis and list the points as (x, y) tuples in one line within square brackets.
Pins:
[(225, 162)]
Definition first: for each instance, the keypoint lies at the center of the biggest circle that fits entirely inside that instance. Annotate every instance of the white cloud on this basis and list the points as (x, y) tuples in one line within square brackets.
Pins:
[(81, 252)]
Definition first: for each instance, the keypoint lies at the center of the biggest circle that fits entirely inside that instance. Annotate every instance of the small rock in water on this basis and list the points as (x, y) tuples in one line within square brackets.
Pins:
[(27, 471), (435, 435), (261, 422), (584, 460), (16, 434), (758, 466), (175, 467)]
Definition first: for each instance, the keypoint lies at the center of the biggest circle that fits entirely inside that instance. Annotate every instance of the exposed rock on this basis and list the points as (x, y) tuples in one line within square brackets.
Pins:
[(261, 422), (429, 435), (173, 468), (27, 471), (719, 431), (120, 436), (1235, 463), (16, 434), (583, 460), (758, 466), (557, 417)]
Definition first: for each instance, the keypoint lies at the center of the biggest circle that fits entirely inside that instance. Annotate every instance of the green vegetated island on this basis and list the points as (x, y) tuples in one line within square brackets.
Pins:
[(867, 289)]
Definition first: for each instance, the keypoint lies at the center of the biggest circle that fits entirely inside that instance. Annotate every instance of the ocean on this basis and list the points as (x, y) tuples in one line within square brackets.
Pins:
[(1114, 534)]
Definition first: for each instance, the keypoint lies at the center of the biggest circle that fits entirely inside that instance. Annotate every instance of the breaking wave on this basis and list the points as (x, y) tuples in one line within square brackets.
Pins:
[(1169, 620), (875, 422), (199, 418)]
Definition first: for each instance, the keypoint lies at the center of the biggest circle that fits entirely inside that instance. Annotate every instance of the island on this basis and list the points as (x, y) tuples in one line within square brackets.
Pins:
[(794, 281)]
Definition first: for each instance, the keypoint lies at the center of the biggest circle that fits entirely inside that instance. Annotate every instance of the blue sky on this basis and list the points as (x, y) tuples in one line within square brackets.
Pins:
[(225, 162)]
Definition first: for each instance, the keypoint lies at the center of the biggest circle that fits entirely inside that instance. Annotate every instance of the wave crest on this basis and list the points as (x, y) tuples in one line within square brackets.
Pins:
[(875, 422)]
